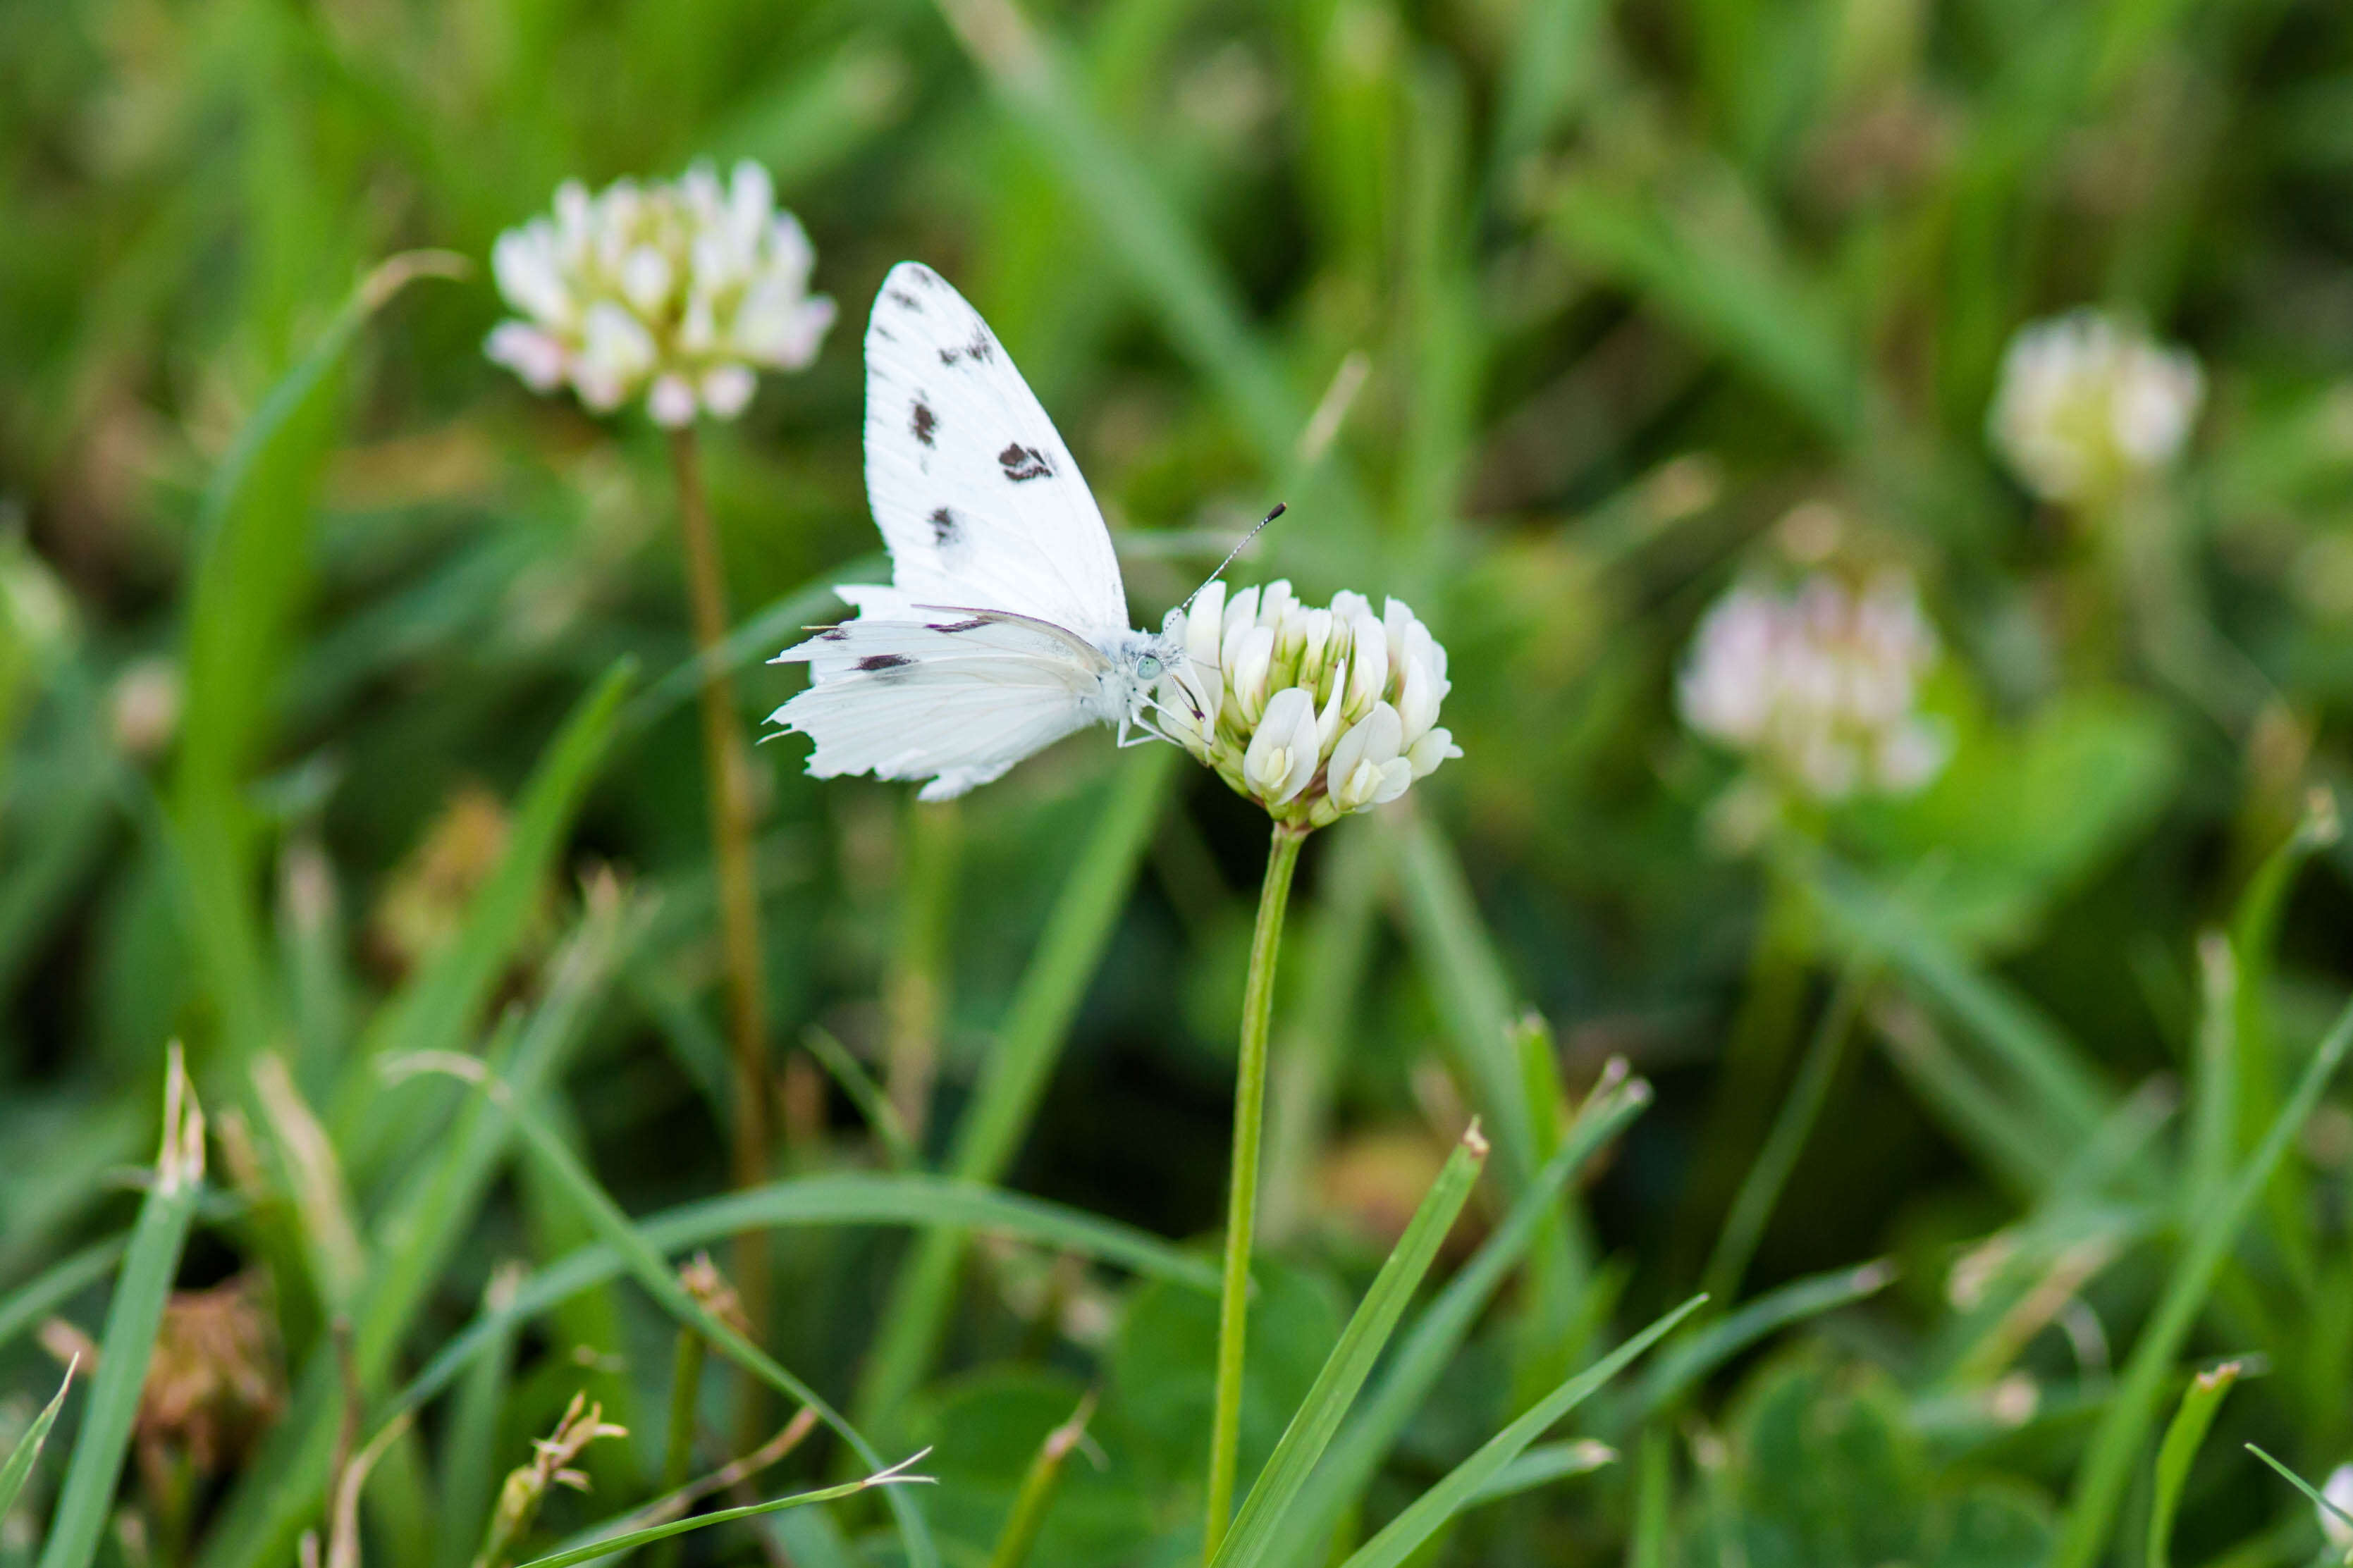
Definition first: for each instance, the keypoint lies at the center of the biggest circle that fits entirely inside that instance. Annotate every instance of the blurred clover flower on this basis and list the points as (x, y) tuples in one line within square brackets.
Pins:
[(1313, 713), (1819, 687), (2086, 405), (681, 290), (2339, 1490)]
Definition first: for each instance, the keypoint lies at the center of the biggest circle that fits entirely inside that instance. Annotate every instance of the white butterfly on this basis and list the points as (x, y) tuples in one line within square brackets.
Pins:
[(1005, 626)]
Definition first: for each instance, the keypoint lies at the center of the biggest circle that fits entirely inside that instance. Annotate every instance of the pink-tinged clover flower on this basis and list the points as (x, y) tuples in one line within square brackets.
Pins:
[(679, 292)]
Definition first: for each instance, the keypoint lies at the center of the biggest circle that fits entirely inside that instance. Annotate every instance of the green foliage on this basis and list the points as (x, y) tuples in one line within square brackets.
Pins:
[(1824, 1470), (321, 750)]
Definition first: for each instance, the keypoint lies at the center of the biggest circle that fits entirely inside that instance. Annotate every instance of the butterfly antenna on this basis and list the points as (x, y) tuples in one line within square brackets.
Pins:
[(1230, 554)]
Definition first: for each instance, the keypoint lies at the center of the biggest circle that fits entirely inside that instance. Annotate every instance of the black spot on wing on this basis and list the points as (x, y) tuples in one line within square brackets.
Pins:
[(980, 349), (923, 423), (905, 301), (954, 626), (946, 527), (875, 663), (1022, 463), (834, 633)]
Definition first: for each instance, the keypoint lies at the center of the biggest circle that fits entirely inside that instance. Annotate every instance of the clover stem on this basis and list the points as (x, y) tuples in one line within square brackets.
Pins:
[(1241, 1214), (727, 773)]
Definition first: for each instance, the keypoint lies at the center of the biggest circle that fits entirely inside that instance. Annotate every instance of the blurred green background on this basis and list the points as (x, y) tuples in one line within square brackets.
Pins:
[(1618, 301)]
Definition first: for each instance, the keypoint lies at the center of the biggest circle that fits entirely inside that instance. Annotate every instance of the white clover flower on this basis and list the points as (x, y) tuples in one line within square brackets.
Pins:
[(1313, 713), (681, 291), (1818, 687), (2086, 406), (2339, 1490)]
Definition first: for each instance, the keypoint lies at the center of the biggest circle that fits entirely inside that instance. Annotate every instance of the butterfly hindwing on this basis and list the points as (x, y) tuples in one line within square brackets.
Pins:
[(957, 699), (977, 498)]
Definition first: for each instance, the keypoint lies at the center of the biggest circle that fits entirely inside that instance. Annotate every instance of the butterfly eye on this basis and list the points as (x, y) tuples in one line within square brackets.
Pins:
[(1147, 665)]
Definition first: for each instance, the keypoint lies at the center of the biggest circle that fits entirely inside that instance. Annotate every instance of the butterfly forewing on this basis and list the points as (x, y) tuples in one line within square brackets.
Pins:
[(989, 642), (977, 496)]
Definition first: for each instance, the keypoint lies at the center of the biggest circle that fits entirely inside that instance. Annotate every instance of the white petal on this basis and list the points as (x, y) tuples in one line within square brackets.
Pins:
[(750, 197), (615, 344), (539, 358), (1370, 674), (1274, 602), (1432, 749), (1417, 700), (1204, 624), (1272, 764), (646, 280), (2339, 1490), (671, 401), (524, 265), (1349, 751), (1248, 668), (727, 390)]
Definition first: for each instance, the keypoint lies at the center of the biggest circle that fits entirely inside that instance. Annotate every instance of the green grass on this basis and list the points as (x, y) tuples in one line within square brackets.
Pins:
[(346, 722)]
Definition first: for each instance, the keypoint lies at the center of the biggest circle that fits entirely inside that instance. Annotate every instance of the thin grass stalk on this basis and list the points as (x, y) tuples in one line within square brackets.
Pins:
[(915, 992), (470, 1472), (27, 1452), (1242, 1210), (678, 1443), (2131, 1413), (1014, 1076), (727, 775), (1039, 1487), (1761, 1189), (133, 1319), (2179, 1450)]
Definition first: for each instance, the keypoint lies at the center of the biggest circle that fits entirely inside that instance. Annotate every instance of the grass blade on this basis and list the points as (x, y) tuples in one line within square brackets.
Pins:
[(1431, 1346), (433, 1011), (2100, 1485), (1038, 1489), (1752, 308), (1473, 994), (837, 1199), (250, 575), (1676, 1372), (1005, 1099), (421, 1227), (28, 1447), (133, 1319), (895, 1475), (645, 1263), (1761, 1189), (1351, 1362), (1200, 307), (1542, 1464), (2300, 1484), (2049, 1066), (2197, 1413), (57, 1285), (469, 1469), (1428, 1513)]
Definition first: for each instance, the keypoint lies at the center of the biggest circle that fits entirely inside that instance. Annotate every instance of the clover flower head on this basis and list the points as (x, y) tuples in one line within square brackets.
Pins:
[(680, 292), (1313, 713), (2086, 405), (2339, 1490), (1818, 687)]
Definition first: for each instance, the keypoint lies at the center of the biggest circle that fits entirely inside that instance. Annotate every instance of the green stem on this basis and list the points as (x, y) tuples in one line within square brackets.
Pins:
[(1241, 1213), (678, 1452), (1761, 1189), (727, 774)]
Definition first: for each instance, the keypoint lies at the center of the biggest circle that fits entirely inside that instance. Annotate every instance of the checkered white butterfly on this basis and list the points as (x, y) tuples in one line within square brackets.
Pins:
[(1005, 624)]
